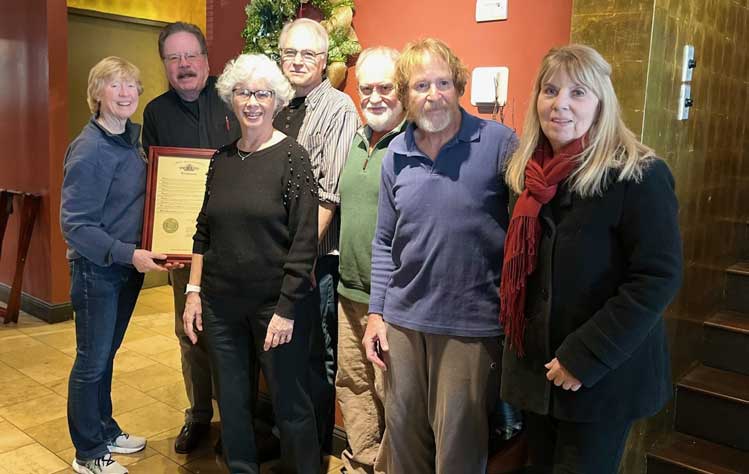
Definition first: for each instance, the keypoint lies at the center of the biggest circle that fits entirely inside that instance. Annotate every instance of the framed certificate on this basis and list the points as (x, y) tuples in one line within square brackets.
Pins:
[(174, 195)]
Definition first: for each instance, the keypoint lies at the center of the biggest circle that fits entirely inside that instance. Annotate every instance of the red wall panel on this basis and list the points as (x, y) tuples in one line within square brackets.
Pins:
[(33, 125), (519, 42)]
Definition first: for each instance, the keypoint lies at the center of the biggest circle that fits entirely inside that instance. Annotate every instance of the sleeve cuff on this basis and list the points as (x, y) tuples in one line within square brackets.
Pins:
[(332, 198), (580, 361), (376, 306), (199, 247), (122, 253), (285, 307)]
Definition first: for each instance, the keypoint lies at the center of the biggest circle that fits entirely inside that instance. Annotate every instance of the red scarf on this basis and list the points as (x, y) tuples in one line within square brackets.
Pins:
[(544, 171)]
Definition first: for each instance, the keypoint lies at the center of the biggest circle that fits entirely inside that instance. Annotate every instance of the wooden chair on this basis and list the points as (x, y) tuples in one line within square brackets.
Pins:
[(29, 207)]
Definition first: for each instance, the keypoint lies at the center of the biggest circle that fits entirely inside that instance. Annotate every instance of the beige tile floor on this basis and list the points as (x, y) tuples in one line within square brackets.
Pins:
[(148, 395)]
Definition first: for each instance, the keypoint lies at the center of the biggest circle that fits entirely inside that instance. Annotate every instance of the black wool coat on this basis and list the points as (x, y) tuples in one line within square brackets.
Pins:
[(607, 268)]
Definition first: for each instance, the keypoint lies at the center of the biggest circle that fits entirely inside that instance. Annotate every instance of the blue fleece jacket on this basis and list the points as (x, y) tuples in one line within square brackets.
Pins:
[(437, 250), (103, 192)]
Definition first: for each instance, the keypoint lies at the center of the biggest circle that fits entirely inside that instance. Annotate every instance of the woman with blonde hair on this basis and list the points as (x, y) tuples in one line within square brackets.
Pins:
[(103, 190), (592, 259)]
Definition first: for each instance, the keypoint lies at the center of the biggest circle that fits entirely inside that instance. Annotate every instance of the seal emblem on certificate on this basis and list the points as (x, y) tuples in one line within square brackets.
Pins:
[(174, 196), (170, 225)]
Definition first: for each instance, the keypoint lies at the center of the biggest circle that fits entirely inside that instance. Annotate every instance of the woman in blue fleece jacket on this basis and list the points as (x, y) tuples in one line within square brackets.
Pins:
[(101, 214)]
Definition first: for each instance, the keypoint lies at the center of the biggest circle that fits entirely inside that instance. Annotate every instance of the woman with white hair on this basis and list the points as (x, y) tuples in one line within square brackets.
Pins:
[(592, 258), (254, 248)]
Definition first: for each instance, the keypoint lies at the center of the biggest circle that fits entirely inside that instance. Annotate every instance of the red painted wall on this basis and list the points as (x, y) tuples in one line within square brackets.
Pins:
[(33, 134), (519, 42)]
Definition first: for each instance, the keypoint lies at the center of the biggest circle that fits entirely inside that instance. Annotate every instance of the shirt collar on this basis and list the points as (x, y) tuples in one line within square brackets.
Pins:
[(317, 94), (128, 138), (365, 133), (470, 130)]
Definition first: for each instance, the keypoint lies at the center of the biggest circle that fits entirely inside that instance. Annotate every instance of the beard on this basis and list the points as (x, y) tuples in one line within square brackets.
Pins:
[(384, 122), (434, 123)]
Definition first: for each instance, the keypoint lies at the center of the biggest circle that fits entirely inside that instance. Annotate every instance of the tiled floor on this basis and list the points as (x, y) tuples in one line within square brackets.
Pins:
[(148, 395)]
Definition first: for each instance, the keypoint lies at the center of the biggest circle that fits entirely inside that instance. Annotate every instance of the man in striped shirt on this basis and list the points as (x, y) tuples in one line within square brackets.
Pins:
[(324, 121)]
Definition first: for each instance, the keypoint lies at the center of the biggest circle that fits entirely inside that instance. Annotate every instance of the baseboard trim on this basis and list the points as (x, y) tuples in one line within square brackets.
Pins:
[(51, 313), (339, 434)]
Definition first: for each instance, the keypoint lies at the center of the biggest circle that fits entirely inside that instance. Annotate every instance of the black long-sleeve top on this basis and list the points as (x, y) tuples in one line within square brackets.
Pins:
[(257, 229)]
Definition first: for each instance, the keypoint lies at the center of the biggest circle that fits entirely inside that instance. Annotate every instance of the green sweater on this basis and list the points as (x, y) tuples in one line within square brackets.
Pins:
[(359, 186)]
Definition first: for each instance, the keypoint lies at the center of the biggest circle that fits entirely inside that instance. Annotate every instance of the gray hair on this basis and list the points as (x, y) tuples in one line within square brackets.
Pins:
[(254, 67), (181, 27), (314, 26), (375, 51)]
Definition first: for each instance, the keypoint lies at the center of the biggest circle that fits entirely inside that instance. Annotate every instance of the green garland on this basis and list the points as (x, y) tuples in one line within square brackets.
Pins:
[(265, 19)]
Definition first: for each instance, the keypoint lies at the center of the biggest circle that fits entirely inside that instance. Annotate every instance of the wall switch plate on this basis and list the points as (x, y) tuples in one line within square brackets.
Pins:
[(489, 85), (688, 63), (491, 10), (685, 102)]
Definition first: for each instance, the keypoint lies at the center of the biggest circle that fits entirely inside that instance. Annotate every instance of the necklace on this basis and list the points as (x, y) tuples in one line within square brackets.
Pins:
[(242, 156)]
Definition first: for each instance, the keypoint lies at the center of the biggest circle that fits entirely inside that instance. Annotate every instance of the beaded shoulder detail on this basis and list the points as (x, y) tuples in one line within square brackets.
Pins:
[(299, 174)]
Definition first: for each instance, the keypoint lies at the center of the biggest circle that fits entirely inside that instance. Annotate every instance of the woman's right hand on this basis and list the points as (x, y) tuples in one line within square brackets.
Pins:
[(375, 340), (192, 318), (143, 261)]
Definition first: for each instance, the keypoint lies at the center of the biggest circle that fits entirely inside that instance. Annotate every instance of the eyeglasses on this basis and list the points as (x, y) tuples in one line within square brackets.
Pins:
[(382, 89), (243, 94), (308, 56), (189, 57)]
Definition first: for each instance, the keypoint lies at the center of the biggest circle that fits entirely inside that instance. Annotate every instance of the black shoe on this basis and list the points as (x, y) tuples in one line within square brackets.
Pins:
[(190, 436)]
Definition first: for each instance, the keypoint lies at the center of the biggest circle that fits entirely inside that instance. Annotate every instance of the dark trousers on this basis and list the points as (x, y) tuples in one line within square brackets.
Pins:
[(235, 328), (324, 346), (567, 447), (103, 299), (196, 366)]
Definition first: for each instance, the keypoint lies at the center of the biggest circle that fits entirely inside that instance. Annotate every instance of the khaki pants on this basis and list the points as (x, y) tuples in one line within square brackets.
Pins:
[(439, 391), (359, 391)]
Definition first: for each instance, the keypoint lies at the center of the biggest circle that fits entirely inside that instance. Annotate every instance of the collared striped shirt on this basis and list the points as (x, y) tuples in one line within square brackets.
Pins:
[(328, 129)]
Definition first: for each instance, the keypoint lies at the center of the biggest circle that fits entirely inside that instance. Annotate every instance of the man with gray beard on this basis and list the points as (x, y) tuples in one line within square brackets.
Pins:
[(436, 265), (358, 385)]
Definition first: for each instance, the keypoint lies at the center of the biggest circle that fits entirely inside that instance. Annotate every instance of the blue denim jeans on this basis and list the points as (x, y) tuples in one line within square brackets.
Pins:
[(323, 347), (103, 300)]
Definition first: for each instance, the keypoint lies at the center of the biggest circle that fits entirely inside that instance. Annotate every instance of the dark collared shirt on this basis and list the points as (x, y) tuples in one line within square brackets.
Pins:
[(170, 121)]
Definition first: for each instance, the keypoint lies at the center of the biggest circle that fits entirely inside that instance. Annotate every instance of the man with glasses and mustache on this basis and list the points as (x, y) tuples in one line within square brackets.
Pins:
[(190, 114), (358, 384), (323, 120), (436, 264)]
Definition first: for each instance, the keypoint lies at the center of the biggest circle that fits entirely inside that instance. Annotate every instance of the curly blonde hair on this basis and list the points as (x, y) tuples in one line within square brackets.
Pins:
[(412, 57)]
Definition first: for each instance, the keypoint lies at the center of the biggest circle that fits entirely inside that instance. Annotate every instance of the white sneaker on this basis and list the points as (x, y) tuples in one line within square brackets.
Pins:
[(102, 465), (127, 444)]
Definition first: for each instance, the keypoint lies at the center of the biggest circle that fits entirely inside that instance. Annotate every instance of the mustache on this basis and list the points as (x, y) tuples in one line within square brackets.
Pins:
[(185, 74), (434, 108)]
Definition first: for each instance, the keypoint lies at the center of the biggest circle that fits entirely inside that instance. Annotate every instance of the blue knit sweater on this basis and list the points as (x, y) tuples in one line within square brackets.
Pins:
[(437, 251), (103, 192)]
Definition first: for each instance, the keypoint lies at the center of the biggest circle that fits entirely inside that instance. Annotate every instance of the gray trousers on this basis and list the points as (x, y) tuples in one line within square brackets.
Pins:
[(196, 367), (439, 391)]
